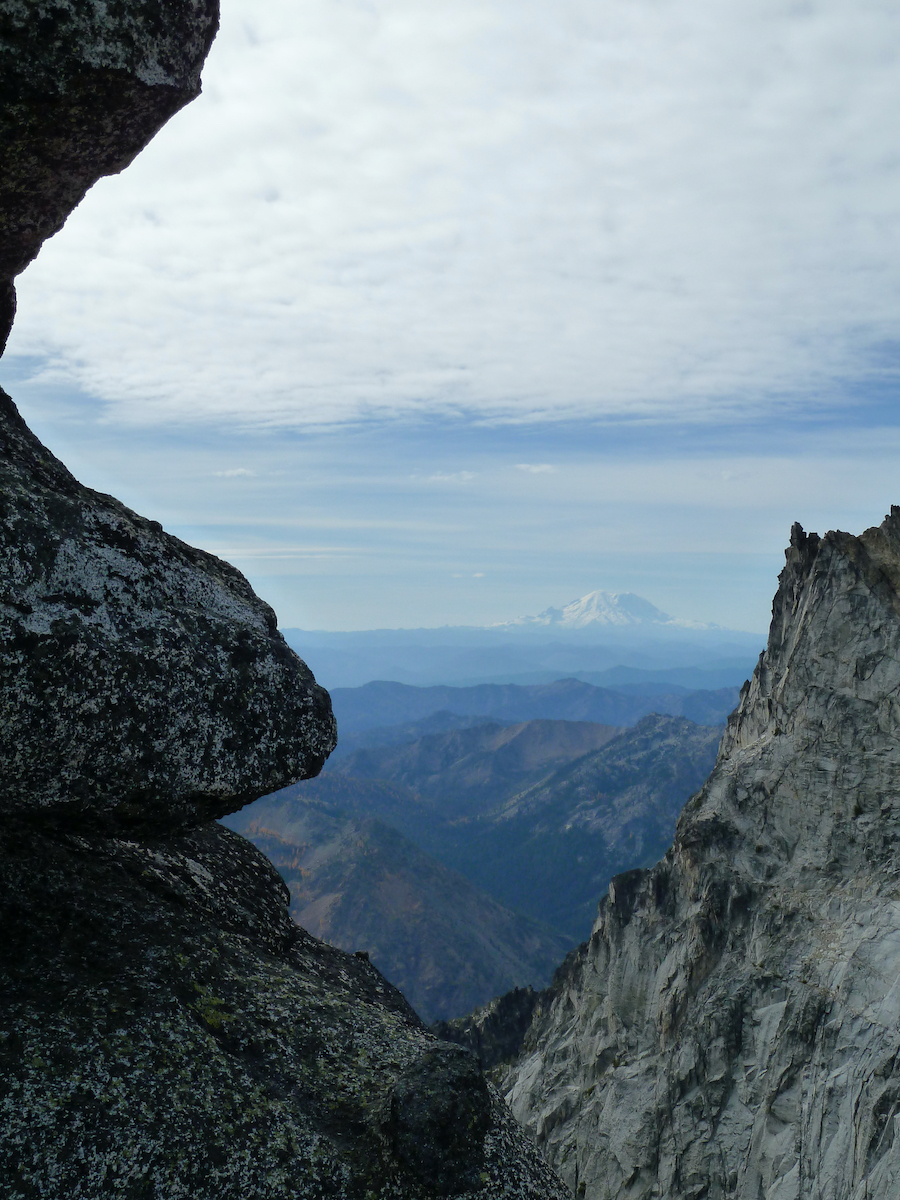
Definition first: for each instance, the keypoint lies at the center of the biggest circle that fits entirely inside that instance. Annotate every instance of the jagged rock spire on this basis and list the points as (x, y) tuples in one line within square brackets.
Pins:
[(731, 1029)]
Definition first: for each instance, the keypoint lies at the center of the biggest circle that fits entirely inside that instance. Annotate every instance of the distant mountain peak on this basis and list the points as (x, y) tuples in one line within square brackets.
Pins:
[(603, 608)]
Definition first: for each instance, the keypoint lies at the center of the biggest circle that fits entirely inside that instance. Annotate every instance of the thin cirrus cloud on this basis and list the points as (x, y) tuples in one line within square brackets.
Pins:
[(447, 477), (645, 209)]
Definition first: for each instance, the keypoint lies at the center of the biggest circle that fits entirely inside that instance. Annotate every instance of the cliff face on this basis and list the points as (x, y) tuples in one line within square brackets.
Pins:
[(732, 1028), (166, 1030)]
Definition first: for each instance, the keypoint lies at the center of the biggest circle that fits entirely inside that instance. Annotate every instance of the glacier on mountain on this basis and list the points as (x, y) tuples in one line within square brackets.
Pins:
[(604, 608)]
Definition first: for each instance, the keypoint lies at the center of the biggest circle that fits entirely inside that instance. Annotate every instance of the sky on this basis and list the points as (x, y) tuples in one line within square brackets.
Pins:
[(445, 313)]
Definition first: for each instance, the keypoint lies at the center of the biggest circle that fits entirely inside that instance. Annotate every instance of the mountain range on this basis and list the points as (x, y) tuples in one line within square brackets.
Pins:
[(469, 862), (599, 632), (604, 609), (527, 817), (359, 884), (383, 704)]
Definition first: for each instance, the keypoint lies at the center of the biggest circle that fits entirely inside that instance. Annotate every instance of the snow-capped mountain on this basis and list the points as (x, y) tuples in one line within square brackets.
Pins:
[(598, 609), (588, 638)]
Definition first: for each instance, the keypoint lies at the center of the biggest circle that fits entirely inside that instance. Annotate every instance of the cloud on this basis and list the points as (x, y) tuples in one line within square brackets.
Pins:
[(287, 552), (337, 533), (233, 473), (449, 477), (645, 210), (536, 468)]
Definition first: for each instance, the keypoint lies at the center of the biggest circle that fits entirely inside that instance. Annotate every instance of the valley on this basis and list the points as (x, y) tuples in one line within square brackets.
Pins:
[(359, 884), (469, 861), (423, 315)]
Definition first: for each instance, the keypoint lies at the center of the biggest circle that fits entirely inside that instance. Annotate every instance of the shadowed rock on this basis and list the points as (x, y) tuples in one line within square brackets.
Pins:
[(495, 1031), (84, 85), (438, 1114), (142, 683), (167, 1030)]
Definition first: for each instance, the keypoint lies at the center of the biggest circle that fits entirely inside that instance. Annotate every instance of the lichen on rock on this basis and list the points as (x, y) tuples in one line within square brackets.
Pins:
[(142, 683), (167, 1030)]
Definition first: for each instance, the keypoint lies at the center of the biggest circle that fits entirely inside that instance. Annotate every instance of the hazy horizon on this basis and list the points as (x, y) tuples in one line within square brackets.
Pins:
[(521, 625)]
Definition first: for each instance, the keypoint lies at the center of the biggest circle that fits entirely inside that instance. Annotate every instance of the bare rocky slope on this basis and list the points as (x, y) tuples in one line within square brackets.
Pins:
[(166, 1029), (732, 1028)]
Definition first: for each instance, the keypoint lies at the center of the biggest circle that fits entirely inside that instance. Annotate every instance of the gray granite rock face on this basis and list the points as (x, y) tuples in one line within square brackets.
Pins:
[(84, 85), (143, 685), (732, 1028)]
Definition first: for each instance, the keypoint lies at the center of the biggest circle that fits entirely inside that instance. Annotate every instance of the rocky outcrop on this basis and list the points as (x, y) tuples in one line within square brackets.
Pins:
[(165, 1028), (84, 85), (142, 683), (732, 1028)]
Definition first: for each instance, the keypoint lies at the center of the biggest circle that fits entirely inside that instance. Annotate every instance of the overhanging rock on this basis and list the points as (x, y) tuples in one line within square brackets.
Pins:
[(84, 85), (142, 683)]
